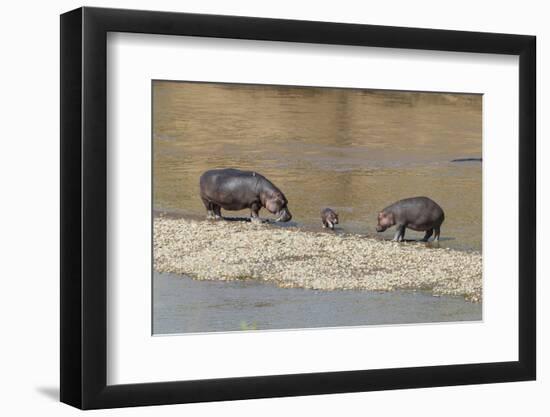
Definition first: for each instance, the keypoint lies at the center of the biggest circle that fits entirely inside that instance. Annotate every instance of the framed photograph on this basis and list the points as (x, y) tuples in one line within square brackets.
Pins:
[(257, 208)]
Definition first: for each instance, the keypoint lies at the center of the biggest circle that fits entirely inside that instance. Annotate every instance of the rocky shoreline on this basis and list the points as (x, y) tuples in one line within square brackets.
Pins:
[(294, 258)]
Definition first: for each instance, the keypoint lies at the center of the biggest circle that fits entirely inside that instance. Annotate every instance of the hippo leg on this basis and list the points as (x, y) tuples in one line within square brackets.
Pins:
[(217, 211), (254, 213), (437, 231), (209, 209), (399, 234), (428, 235)]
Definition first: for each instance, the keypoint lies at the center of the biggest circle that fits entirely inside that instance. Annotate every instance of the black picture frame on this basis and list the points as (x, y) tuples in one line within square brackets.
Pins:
[(84, 207)]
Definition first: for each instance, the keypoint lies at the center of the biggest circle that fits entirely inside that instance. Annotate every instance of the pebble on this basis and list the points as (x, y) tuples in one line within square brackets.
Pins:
[(294, 258)]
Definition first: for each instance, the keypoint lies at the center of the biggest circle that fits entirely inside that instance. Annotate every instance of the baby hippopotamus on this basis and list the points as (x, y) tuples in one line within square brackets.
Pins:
[(417, 213), (233, 189), (329, 218)]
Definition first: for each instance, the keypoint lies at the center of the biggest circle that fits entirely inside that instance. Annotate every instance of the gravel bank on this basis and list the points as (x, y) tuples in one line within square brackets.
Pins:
[(289, 257)]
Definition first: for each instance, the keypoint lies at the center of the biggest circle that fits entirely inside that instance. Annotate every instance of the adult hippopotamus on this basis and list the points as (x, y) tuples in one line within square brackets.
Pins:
[(417, 213), (329, 218), (233, 189)]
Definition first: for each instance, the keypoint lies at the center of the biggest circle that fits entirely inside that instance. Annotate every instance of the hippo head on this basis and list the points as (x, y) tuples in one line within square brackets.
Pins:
[(276, 203), (385, 220), (331, 218)]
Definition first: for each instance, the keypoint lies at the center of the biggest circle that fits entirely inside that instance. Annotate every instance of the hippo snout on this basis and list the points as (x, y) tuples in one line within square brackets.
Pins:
[(284, 216), (380, 228)]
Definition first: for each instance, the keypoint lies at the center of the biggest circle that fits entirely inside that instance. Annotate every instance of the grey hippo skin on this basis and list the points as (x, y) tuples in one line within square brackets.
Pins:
[(329, 218), (233, 189), (417, 213)]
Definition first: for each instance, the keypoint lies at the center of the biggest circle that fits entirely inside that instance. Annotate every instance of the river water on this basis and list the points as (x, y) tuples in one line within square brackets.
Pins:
[(183, 305), (355, 151)]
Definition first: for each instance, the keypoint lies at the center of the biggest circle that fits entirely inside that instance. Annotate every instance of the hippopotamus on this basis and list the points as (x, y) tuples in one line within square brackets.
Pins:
[(329, 218), (233, 189), (417, 213)]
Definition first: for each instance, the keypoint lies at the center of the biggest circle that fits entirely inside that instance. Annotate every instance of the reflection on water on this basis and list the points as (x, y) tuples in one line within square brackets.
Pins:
[(356, 151)]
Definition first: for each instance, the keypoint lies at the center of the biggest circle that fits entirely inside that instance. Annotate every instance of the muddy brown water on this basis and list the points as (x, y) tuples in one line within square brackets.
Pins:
[(355, 151)]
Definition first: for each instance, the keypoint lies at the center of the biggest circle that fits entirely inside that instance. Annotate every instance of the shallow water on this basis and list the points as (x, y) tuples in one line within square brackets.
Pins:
[(356, 151), (183, 305)]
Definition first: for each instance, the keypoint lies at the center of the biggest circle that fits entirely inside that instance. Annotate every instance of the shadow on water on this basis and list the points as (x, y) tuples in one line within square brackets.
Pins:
[(467, 160), (261, 220), (430, 243), (240, 219)]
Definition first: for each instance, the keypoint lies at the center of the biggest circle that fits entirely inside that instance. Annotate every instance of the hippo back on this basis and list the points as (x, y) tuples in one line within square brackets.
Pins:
[(421, 209)]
